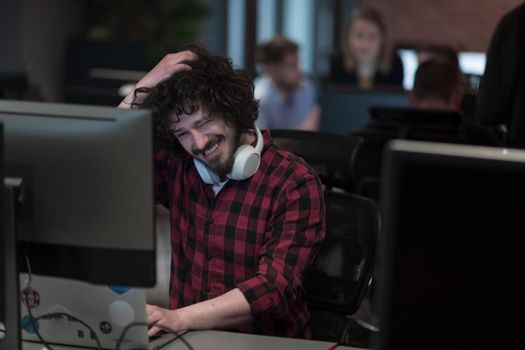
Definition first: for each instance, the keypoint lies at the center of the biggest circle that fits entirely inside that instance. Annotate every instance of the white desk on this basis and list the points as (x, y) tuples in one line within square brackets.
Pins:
[(212, 340)]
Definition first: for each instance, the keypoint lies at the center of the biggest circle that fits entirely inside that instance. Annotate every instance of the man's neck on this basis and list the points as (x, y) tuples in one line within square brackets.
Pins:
[(366, 69)]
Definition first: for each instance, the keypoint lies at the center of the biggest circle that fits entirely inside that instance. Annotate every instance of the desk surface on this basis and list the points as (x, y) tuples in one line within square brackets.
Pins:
[(204, 340)]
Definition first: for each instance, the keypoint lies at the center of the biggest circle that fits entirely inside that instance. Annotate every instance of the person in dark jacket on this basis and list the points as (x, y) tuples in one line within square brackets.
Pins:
[(501, 100)]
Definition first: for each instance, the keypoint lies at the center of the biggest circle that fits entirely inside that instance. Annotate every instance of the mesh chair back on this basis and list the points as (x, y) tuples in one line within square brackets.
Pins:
[(340, 274), (388, 123), (331, 155)]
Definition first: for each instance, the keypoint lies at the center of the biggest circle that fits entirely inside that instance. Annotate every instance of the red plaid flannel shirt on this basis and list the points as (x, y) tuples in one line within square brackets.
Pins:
[(259, 235)]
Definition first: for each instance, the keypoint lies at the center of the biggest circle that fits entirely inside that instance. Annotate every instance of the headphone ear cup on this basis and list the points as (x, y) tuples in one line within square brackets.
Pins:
[(246, 163)]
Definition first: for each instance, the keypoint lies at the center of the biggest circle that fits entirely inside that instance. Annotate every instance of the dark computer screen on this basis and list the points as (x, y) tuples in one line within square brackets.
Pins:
[(87, 207), (3, 252), (345, 109), (451, 255)]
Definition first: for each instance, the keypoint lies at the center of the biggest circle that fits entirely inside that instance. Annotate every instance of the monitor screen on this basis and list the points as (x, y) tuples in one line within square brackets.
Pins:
[(450, 262), (87, 208), (3, 251), (470, 63), (345, 109)]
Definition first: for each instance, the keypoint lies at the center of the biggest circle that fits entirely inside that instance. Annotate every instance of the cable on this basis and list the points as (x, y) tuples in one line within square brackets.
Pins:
[(125, 330), (366, 325), (69, 318), (32, 321), (51, 315), (333, 346), (178, 336), (28, 309), (181, 336), (29, 273)]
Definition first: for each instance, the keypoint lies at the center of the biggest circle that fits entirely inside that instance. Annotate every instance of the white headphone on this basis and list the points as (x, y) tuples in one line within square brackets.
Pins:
[(246, 162)]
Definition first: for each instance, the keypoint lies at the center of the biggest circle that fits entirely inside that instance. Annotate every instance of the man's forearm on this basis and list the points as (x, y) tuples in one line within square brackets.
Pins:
[(225, 311)]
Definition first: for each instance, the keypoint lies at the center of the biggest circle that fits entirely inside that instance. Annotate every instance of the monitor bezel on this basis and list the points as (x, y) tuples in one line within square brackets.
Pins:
[(395, 156), (93, 264)]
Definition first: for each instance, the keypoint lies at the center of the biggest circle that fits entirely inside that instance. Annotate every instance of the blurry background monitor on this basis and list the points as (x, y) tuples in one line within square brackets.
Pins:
[(87, 209), (345, 110), (451, 259), (471, 64)]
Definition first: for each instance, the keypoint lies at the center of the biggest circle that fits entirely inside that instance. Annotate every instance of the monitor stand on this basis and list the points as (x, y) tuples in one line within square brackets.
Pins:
[(9, 283)]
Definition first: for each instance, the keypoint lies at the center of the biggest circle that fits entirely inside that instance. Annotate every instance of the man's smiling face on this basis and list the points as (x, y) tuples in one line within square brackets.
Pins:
[(207, 138)]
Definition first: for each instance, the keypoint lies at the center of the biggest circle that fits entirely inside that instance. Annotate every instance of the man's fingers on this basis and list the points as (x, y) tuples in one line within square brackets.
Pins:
[(153, 314), (154, 330), (178, 68), (150, 308), (170, 64), (182, 56), (175, 61)]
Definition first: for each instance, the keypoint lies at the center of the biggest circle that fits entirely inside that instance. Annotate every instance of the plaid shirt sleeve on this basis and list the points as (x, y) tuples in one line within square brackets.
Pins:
[(294, 234)]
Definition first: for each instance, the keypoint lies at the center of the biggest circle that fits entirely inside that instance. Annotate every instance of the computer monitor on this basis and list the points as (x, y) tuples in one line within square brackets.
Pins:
[(412, 116), (88, 207), (451, 258), (345, 109), (471, 63)]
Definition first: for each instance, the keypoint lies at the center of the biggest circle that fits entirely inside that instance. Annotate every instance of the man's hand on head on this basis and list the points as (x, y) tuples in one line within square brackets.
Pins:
[(170, 64)]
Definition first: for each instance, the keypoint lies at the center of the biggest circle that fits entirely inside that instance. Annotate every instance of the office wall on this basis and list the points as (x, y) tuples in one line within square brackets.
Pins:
[(213, 29), (32, 40), (44, 28), (10, 59), (467, 23)]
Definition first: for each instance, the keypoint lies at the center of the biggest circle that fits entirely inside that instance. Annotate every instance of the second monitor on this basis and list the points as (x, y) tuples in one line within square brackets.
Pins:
[(87, 193), (451, 252)]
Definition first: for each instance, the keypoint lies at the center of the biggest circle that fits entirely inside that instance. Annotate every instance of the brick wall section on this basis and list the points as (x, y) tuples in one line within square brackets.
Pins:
[(466, 24)]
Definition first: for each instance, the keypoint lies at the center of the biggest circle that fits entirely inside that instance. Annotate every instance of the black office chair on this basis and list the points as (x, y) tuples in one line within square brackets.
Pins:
[(340, 274), (331, 155), (388, 123)]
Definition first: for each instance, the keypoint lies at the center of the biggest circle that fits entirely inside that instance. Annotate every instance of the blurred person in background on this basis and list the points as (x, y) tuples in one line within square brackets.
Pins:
[(366, 59), (287, 98), (438, 85), (501, 99), (437, 53)]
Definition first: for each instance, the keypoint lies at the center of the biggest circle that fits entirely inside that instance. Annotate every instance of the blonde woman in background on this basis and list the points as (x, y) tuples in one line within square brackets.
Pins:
[(366, 60)]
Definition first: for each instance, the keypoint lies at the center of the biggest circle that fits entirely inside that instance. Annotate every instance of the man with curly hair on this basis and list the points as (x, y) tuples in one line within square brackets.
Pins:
[(247, 218)]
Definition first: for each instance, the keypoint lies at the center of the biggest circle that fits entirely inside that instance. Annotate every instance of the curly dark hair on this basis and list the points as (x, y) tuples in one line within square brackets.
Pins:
[(211, 84)]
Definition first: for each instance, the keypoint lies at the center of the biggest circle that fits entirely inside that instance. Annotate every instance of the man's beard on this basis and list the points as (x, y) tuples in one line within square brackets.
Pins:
[(223, 168)]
